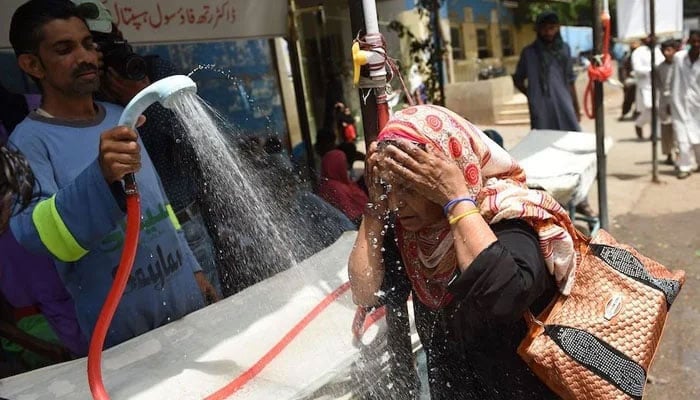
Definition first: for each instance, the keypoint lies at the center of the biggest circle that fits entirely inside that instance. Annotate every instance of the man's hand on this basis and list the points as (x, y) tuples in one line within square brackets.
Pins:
[(120, 153), (121, 90), (206, 288)]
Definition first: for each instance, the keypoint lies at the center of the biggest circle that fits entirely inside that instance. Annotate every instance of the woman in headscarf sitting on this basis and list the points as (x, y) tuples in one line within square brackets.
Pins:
[(479, 248), (338, 189)]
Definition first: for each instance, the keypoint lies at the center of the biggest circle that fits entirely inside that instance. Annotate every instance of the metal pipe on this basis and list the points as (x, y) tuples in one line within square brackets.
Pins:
[(368, 107), (654, 108), (599, 113), (370, 12), (438, 49)]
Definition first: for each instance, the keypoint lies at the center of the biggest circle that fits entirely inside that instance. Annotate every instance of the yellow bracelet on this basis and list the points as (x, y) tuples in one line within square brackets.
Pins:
[(457, 218)]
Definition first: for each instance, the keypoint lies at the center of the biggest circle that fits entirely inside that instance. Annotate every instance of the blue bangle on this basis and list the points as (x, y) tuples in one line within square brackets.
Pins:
[(453, 202)]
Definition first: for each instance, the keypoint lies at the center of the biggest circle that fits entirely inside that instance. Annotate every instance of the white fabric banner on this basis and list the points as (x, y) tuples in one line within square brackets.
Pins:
[(633, 18), (158, 21)]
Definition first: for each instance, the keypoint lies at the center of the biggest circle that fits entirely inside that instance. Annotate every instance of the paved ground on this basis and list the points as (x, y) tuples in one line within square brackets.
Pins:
[(661, 220)]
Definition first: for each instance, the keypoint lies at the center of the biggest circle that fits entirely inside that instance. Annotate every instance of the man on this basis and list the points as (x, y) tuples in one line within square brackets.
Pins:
[(627, 77), (163, 137), (79, 158), (550, 89), (664, 77), (685, 102), (551, 83), (641, 65)]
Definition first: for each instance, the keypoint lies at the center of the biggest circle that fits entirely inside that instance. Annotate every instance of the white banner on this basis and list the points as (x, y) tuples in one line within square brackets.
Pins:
[(158, 21), (633, 18)]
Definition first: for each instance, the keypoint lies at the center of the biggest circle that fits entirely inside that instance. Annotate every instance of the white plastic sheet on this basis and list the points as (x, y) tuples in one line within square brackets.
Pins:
[(633, 18)]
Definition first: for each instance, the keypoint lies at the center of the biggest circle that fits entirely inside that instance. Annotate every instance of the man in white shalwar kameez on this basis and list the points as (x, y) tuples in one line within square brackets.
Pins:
[(641, 65), (686, 105)]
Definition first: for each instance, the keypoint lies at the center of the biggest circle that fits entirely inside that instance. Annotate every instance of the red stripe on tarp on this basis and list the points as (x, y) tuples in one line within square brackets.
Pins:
[(253, 371)]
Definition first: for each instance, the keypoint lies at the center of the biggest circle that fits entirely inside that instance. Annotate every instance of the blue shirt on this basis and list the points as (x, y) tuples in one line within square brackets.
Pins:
[(79, 222)]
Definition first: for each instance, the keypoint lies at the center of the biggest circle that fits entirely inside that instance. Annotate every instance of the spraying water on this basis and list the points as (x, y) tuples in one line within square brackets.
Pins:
[(262, 218), (267, 223)]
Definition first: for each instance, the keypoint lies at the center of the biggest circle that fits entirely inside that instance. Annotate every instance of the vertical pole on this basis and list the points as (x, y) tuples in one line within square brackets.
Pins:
[(437, 29), (600, 122), (368, 102), (654, 108), (287, 139), (299, 92)]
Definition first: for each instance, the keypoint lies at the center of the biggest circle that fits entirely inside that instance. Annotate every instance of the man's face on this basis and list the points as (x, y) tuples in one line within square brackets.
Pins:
[(694, 42), (68, 58), (547, 32)]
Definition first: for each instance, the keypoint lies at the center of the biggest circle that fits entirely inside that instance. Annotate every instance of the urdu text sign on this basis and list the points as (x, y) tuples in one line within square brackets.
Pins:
[(153, 21)]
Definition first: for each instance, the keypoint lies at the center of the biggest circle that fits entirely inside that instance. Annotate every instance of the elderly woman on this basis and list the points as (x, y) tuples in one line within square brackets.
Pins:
[(479, 248)]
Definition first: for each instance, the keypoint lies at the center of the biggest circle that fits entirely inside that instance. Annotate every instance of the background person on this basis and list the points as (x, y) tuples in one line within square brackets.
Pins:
[(547, 68), (685, 96), (162, 134), (664, 79), (641, 65), (545, 74), (338, 189), (626, 75)]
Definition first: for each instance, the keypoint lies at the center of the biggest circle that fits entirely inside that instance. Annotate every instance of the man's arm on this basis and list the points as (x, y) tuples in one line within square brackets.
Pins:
[(520, 85), (67, 222), (521, 74)]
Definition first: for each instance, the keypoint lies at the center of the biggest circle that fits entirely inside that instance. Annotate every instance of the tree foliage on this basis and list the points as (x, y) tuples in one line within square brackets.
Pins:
[(576, 12), (424, 52)]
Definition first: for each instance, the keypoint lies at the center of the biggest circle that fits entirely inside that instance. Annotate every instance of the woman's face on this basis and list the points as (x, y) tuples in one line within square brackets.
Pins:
[(414, 211)]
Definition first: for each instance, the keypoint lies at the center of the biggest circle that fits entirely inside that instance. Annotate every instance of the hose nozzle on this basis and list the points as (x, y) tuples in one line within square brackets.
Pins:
[(163, 91)]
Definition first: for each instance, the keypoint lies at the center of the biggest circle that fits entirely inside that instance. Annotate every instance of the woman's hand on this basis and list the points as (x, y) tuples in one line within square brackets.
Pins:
[(428, 172)]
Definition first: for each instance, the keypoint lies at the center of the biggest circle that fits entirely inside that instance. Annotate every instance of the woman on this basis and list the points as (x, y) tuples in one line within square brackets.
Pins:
[(478, 247), (337, 188)]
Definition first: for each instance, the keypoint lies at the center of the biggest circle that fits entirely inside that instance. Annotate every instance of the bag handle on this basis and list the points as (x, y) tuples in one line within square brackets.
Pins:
[(535, 323)]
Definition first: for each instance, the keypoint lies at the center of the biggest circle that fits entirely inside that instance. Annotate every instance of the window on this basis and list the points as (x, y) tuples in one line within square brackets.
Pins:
[(507, 42), (482, 43), (457, 47)]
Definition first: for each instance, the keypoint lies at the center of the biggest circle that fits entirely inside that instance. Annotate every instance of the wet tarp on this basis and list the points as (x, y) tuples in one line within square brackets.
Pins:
[(207, 350)]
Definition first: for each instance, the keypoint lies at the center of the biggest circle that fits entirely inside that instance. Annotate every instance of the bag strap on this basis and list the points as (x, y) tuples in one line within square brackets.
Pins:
[(581, 242)]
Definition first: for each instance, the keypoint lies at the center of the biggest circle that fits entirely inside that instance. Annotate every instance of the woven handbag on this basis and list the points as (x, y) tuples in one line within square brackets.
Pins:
[(599, 341)]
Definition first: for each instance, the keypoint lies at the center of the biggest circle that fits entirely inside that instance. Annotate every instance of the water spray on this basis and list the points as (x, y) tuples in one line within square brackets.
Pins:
[(163, 91)]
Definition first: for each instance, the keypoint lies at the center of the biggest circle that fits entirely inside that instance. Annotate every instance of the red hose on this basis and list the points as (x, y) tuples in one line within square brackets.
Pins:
[(94, 361), (598, 72)]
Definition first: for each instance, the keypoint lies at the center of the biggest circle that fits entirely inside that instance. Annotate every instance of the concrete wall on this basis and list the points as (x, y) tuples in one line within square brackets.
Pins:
[(478, 101)]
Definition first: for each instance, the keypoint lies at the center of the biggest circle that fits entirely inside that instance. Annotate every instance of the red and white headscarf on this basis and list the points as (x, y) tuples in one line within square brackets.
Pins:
[(496, 182)]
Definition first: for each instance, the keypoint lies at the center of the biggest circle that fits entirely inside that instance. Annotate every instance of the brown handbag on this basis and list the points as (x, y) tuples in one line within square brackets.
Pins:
[(599, 341)]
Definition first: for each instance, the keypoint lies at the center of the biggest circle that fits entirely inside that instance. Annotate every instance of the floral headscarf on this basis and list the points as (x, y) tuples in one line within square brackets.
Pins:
[(496, 182)]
